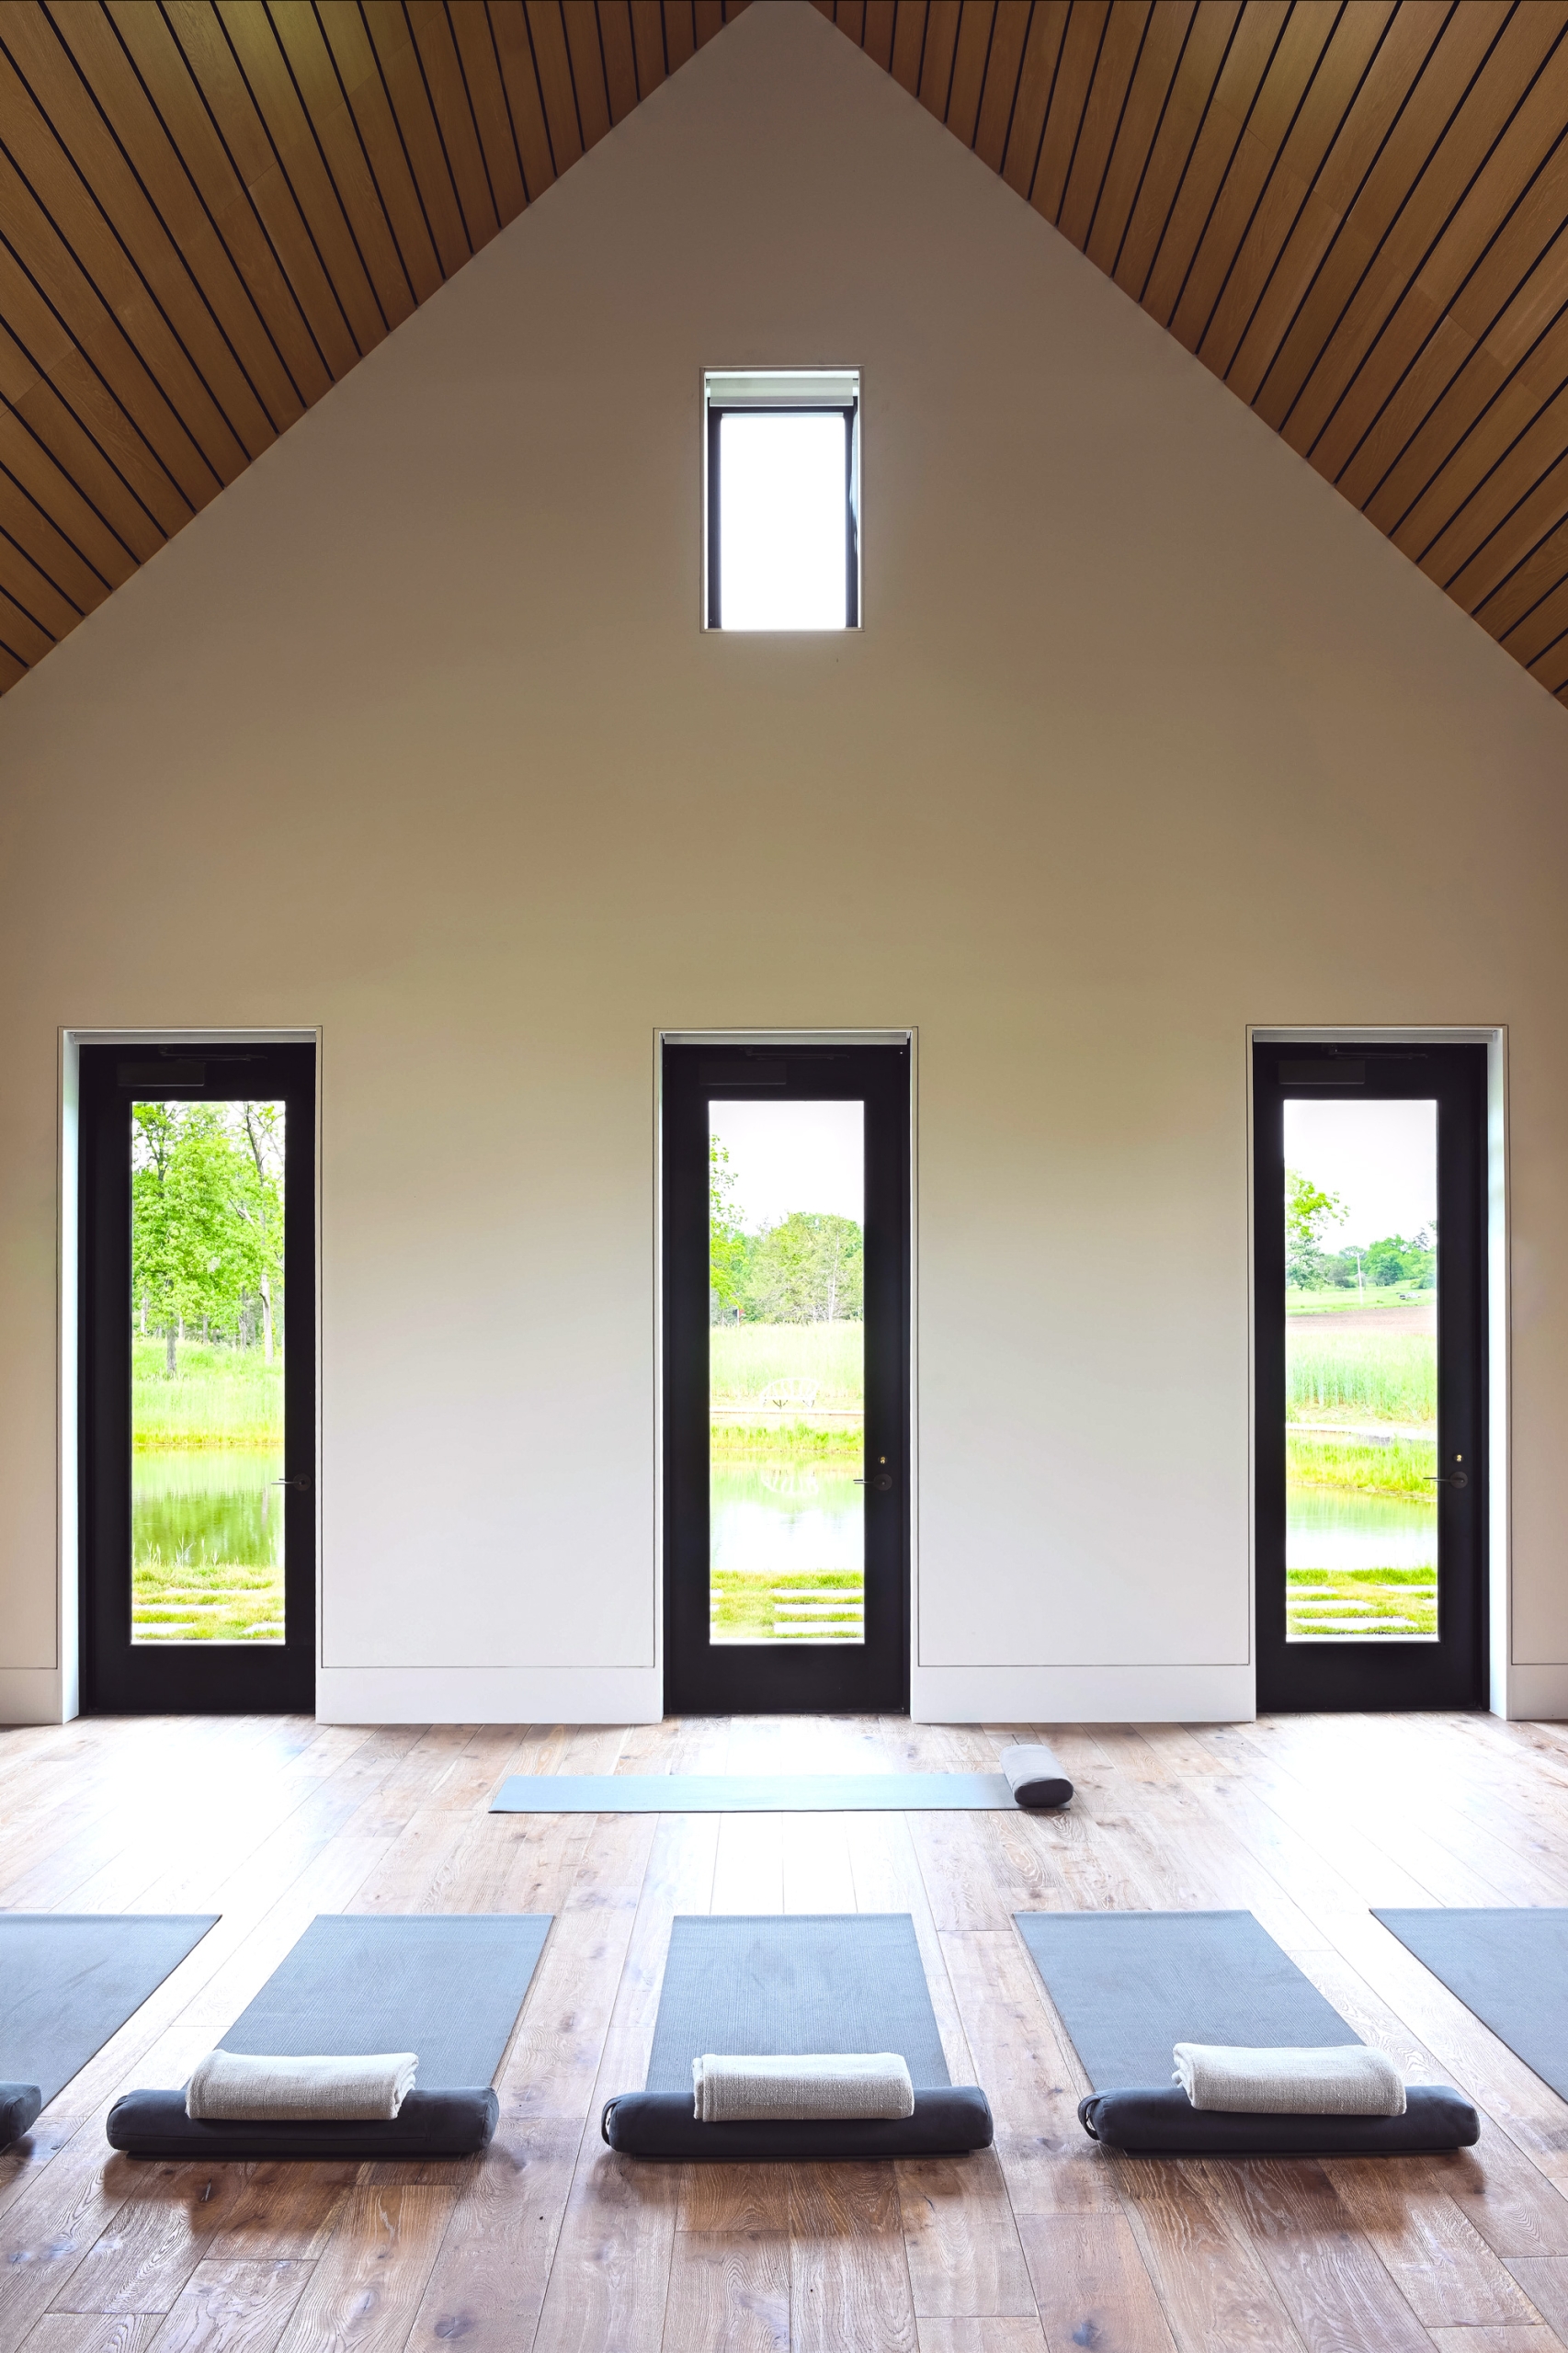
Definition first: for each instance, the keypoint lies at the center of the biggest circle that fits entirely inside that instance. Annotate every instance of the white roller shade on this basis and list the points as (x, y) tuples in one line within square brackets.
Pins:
[(783, 387)]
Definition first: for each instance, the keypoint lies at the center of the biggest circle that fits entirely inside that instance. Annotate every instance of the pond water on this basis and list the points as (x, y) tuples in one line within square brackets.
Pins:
[(1326, 1528), (207, 1545), (770, 1520), (1359, 1568), (787, 1555)]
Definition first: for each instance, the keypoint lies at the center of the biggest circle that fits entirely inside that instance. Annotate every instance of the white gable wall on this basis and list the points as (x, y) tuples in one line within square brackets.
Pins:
[(413, 736)]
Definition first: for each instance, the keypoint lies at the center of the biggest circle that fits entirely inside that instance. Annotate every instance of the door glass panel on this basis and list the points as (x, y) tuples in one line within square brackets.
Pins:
[(787, 1388), (1361, 1371), (207, 1345)]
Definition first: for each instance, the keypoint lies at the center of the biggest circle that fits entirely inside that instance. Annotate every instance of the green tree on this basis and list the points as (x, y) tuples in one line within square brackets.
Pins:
[(1308, 1209), (1395, 1260), (806, 1270), (205, 1218), (260, 1205), (726, 1242)]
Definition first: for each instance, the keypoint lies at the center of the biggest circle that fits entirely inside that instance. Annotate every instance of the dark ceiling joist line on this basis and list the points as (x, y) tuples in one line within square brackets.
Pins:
[(1354, 212)]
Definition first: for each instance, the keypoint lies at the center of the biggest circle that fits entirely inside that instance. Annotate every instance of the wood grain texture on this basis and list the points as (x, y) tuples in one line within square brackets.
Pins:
[(1092, 2284), (234, 2307), (550, 2241), (980, 2337), (1356, 216)]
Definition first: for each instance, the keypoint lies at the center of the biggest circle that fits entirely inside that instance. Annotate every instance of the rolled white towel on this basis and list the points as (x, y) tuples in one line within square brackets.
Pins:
[(836, 2085), (1340, 2079), (283, 2091), (1035, 1776)]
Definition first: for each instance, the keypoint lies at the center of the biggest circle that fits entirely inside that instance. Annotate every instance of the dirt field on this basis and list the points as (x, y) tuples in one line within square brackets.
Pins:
[(1422, 1317)]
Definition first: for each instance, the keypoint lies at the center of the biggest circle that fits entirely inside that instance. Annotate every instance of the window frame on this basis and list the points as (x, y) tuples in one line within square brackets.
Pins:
[(716, 408)]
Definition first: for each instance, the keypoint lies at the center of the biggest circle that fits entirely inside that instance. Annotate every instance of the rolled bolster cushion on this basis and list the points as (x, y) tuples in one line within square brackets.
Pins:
[(800, 2089), (945, 2122), (245, 2087), (1336, 2079), (1037, 1780), (429, 2124), (20, 2105), (1163, 2122)]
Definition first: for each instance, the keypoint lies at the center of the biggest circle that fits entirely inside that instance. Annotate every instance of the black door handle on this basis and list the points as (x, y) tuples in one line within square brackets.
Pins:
[(882, 1481)]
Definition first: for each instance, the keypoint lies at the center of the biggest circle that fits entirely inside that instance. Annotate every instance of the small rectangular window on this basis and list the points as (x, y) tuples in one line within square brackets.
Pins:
[(783, 498)]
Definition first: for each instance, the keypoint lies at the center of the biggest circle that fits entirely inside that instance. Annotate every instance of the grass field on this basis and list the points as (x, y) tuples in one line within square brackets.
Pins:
[(794, 1443), (1401, 1467), (758, 1608), (1385, 1376), (219, 1397), (1401, 1602), (1367, 1302), (205, 1602), (745, 1360)]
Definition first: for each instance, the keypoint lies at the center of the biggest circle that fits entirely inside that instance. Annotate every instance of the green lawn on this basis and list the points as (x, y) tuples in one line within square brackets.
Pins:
[(747, 1359), (1377, 1376), (753, 1608), (220, 1396), (795, 1443), (1345, 1302), (1401, 1602), (205, 1602), (1396, 1467)]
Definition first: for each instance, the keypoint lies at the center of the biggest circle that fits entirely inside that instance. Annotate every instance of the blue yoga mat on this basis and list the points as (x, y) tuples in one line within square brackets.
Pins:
[(1130, 1984), (449, 1985), (806, 1980), (1509, 1966), (69, 1980), (755, 1793)]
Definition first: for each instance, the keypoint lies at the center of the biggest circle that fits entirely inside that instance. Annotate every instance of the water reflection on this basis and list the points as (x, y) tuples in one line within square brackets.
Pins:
[(207, 1545), (1325, 1528), (788, 1553)]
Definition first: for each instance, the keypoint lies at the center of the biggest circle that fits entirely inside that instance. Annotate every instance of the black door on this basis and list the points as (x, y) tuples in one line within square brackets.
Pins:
[(786, 1261), (198, 1389), (1370, 1254)]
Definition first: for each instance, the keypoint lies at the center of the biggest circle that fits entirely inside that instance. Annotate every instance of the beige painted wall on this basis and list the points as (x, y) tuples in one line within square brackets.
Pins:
[(413, 736)]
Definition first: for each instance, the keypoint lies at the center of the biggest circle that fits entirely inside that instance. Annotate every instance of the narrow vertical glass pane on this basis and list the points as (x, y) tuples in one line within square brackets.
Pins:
[(1361, 1371), (207, 1345), (783, 521), (787, 1383)]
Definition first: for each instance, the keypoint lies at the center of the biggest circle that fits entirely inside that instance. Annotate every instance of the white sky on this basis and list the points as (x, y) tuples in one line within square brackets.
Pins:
[(1380, 1158), (789, 1157), (782, 558)]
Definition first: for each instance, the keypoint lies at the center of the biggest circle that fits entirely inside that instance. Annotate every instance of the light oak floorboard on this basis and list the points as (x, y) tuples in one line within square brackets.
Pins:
[(980, 2336), (552, 2245)]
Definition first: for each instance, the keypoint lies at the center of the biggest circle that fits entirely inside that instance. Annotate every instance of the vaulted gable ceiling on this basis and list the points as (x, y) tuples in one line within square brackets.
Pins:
[(1353, 211)]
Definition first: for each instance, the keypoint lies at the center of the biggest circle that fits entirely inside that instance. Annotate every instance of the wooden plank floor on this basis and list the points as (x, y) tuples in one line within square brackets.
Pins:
[(551, 2242)]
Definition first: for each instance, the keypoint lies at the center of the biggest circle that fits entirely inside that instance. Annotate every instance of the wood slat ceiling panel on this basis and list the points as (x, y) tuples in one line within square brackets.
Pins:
[(1354, 212)]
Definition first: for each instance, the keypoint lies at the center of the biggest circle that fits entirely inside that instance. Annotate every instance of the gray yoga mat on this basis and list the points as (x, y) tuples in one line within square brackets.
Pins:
[(447, 1985), (767, 1987), (1510, 1966), (70, 1980), (755, 1793), (1130, 1984)]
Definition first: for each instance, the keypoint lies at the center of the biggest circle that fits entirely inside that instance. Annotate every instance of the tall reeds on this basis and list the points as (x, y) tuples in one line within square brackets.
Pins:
[(220, 1396), (1390, 1378)]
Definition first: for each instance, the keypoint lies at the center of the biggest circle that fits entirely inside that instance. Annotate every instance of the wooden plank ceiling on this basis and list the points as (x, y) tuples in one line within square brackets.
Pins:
[(1353, 211)]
